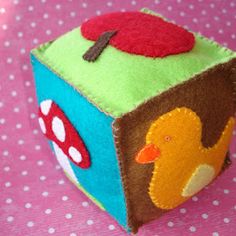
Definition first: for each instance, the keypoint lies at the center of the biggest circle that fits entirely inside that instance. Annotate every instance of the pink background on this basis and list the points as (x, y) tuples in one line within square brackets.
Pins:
[(35, 196)]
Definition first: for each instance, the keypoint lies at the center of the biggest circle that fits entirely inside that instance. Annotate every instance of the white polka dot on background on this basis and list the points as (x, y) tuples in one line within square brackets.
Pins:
[(37, 199), (48, 211), (51, 230), (89, 222)]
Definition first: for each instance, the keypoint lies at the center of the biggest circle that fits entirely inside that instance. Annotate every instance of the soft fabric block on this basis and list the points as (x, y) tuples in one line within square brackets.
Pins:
[(102, 179), (139, 124), (65, 55)]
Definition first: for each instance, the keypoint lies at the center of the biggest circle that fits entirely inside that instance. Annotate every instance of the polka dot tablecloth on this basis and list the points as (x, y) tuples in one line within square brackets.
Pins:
[(35, 196)]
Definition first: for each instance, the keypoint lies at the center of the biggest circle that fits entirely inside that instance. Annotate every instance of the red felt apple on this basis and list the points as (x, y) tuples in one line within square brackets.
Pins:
[(138, 33)]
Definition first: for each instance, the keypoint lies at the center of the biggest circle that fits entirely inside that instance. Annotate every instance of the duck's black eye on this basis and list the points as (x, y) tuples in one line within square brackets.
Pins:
[(167, 138)]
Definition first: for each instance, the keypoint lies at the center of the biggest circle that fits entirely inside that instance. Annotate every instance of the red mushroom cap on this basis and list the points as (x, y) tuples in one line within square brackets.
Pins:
[(57, 128)]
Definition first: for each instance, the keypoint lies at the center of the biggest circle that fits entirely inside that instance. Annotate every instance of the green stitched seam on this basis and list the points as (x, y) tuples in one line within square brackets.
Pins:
[(81, 188), (108, 110), (56, 70), (102, 105)]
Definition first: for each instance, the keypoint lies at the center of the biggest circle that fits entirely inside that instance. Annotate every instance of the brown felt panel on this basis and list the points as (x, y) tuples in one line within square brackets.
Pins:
[(210, 95)]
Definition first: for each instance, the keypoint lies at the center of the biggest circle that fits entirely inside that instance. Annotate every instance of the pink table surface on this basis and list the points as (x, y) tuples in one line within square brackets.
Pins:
[(35, 196)]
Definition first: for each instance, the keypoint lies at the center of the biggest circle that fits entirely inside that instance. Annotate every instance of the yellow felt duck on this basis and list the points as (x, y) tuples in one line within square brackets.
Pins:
[(182, 166)]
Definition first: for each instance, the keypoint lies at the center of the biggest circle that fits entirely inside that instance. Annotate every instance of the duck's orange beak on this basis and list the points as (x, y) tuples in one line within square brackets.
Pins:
[(148, 154)]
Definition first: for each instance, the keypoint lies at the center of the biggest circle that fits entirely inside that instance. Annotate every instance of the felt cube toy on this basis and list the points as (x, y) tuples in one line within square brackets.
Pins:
[(138, 110)]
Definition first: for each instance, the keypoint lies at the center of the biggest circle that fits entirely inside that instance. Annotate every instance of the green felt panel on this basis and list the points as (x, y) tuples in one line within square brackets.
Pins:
[(117, 82)]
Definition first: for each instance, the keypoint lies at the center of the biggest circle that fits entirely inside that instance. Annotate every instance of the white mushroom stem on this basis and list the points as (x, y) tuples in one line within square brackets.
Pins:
[(64, 162)]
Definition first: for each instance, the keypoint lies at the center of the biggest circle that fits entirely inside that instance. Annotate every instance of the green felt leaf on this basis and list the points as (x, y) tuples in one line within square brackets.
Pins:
[(117, 82)]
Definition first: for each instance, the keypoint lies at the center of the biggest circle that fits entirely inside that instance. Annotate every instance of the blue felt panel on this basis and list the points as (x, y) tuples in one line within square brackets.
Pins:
[(102, 180)]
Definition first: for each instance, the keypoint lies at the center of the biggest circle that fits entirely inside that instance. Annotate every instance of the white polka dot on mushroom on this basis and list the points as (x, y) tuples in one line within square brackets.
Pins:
[(46, 106), (58, 129), (75, 154)]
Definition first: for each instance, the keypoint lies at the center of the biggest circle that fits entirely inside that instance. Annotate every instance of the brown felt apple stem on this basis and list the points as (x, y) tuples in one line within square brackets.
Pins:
[(93, 52)]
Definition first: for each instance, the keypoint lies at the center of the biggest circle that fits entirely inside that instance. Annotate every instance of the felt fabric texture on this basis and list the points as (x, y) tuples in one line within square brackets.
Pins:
[(200, 178), (61, 131), (77, 184), (210, 95), (140, 33), (94, 52), (148, 154), (181, 154), (115, 83), (64, 161), (132, 88), (102, 180)]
